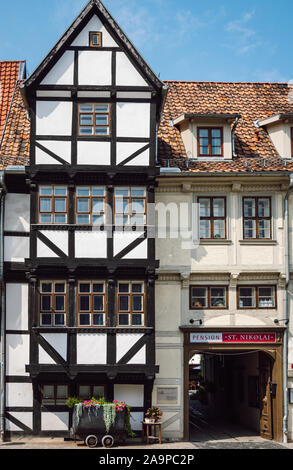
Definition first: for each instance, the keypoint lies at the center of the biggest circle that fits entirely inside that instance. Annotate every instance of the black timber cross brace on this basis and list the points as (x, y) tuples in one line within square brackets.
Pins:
[(132, 351), (132, 245), (51, 245), (52, 353), (52, 154), (18, 423)]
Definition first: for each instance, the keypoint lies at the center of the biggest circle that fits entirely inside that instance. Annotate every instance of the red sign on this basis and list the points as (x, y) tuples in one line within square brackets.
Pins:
[(249, 337)]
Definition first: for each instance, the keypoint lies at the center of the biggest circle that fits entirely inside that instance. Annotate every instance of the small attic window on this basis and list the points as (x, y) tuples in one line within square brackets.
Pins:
[(95, 39)]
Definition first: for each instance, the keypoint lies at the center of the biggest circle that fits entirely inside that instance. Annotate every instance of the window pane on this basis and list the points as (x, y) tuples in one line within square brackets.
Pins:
[(121, 206), (249, 207), (46, 287), (48, 391), (83, 191), (83, 205), (137, 303), (84, 303), (135, 192), (84, 320), (98, 191), (219, 207), (98, 219), (60, 218), (84, 287), (205, 207), (218, 298), (138, 205), (124, 287), (98, 205), (98, 319), (86, 119), (121, 220), (219, 228), (60, 302), (101, 120), (266, 297), (246, 297), (100, 108), (86, 108), (264, 229), (83, 219), (249, 229), (98, 287), (203, 132), (86, 131), (137, 287), (205, 229), (46, 303), (216, 133), (61, 391), (60, 205), (98, 303), (46, 191), (46, 319), (45, 218), (136, 320), (59, 287), (138, 220), (101, 130), (60, 191), (122, 192), (123, 319), (59, 319), (45, 204), (123, 303), (216, 150), (264, 207), (199, 297)]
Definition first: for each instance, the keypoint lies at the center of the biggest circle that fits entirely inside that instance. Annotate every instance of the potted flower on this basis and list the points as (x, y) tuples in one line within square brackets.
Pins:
[(153, 415)]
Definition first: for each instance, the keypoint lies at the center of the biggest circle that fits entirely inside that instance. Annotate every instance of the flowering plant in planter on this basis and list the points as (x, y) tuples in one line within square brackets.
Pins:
[(153, 414)]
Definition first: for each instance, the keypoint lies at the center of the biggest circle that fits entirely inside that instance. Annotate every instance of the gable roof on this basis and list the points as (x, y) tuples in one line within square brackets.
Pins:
[(10, 72), (253, 101), (15, 145), (93, 7)]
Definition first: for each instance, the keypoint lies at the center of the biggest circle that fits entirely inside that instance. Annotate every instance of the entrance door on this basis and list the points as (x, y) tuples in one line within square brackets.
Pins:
[(265, 375)]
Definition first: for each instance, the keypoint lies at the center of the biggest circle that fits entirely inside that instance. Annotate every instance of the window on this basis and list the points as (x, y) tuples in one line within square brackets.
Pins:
[(257, 217), (91, 303), (212, 217), (53, 303), (131, 304), (210, 141), (95, 39), (130, 206), (94, 119), (53, 205), (54, 395), (257, 297), (86, 392), (90, 205), (203, 297)]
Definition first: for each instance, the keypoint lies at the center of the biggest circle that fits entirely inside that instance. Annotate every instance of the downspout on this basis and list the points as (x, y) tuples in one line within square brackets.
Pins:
[(2, 294), (286, 312)]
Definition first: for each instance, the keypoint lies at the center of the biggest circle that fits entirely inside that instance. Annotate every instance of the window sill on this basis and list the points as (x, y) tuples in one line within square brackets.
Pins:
[(215, 241), (257, 242)]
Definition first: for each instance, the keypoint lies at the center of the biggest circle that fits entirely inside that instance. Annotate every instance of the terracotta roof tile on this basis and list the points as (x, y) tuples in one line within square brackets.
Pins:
[(253, 101), (16, 140), (9, 74)]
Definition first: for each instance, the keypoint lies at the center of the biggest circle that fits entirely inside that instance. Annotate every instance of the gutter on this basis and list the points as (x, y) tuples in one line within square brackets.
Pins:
[(286, 313), (3, 191)]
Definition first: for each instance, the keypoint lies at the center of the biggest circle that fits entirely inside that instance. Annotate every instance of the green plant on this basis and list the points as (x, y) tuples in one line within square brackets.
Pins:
[(154, 413), (128, 429), (109, 415), (71, 401)]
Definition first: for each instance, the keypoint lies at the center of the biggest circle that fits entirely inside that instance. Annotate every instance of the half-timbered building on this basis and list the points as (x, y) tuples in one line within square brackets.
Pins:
[(80, 263)]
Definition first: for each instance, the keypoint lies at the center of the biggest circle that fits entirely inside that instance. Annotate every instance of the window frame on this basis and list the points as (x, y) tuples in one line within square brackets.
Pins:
[(53, 197), (55, 394), (93, 113), (91, 390), (52, 311), (90, 213), (130, 214), (208, 296), (130, 311), (100, 36), (256, 217), (210, 146), (212, 218), (256, 296), (91, 311)]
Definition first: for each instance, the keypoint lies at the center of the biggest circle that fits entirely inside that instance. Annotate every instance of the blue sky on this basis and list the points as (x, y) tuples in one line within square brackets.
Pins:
[(181, 40)]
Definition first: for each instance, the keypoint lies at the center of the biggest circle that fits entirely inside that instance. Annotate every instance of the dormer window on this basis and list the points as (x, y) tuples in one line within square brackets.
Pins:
[(210, 141), (95, 39)]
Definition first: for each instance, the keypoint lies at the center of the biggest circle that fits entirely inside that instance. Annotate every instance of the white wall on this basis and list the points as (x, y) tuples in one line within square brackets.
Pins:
[(91, 348), (133, 120), (62, 72), (16, 306), (54, 118), (16, 249), (17, 212)]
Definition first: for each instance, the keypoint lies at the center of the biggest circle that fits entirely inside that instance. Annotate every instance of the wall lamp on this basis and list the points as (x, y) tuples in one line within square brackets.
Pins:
[(192, 321), (285, 320)]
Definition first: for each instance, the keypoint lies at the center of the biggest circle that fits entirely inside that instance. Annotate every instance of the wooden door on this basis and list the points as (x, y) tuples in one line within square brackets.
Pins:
[(265, 377)]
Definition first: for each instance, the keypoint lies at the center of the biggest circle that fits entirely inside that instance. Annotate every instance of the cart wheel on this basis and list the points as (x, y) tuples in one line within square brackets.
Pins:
[(107, 441), (91, 441)]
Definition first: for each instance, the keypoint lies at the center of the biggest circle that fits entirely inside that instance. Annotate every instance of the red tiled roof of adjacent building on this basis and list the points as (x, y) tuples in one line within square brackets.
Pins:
[(253, 101), (9, 74)]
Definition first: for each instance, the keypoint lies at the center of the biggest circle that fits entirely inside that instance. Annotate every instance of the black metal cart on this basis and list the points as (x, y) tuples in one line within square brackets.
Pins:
[(89, 425)]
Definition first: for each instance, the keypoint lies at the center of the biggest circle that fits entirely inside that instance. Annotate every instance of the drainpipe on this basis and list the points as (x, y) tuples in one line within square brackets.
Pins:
[(2, 301), (286, 312)]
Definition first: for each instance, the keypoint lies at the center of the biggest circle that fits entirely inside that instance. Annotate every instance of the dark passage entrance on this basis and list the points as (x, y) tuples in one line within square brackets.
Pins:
[(230, 395)]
